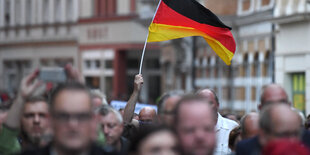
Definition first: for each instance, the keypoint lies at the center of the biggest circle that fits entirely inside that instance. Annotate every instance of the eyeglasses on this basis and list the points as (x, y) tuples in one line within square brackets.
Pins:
[(65, 117)]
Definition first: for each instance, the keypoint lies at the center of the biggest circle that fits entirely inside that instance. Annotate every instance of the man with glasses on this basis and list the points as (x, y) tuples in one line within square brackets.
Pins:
[(166, 105)]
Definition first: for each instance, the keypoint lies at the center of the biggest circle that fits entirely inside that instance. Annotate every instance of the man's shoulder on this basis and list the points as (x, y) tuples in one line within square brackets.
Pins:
[(230, 124), (248, 146)]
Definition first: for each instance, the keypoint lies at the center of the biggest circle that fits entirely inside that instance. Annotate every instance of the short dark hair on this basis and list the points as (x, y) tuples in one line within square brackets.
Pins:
[(184, 100), (164, 97), (144, 132), (67, 86), (34, 99)]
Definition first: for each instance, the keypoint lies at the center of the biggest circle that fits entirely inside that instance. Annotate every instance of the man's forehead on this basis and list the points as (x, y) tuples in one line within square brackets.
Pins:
[(35, 106), (110, 117), (71, 101), (191, 105)]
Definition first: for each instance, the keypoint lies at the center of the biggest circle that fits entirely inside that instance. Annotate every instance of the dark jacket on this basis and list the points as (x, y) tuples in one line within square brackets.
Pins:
[(94, 150)]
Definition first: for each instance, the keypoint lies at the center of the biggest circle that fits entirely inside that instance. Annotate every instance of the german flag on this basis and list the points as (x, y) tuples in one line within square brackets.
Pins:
[(183, 18)]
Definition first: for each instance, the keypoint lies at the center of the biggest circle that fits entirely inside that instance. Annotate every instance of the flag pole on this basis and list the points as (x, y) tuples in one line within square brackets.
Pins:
[(142, 56)]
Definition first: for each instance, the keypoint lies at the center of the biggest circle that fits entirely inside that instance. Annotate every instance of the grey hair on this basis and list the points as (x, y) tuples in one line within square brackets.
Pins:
[(106, 109), (97, 93)]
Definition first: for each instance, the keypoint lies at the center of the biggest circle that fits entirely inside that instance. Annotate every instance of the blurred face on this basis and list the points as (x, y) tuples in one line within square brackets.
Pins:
[(147, 115), (159, 143), (167, 116), (195, 128), (285, 124), (72, 120), (35, 120), (273, 94), (112, 128)]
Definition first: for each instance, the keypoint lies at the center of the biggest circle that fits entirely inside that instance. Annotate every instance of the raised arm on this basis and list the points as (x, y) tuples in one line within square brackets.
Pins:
[(131, 104), (27, 87)]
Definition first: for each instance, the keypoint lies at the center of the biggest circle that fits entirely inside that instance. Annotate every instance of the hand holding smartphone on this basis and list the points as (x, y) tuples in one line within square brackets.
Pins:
[(53, 74)]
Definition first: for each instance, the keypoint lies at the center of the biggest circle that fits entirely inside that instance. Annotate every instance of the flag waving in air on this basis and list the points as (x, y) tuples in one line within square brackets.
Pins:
[(183, 18)]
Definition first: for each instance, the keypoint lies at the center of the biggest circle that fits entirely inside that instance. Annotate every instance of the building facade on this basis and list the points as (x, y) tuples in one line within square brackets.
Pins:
[(35, 34), (292, 69), (111, 40)]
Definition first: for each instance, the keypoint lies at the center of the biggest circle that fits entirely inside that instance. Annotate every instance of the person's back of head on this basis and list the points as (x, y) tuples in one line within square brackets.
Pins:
[(155, 139), (278, 121), (249, 125)]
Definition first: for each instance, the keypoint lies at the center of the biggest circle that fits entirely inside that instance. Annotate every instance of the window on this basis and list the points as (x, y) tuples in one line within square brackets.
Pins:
[(7, 17), (28, 14), (108, 64), (69, 13), (93, 82), (45, 10), (266, 65), (265, 2), (132, 63), (17, 11), (255, 66), (87, 64), (246, 4), (98, 64), (253, 95), (105, 8), (240, 93), (58, 10), (299, 88), (152, 63)]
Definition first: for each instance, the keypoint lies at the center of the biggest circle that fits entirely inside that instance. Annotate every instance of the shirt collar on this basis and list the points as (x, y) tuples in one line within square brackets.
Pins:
[(219, 123)]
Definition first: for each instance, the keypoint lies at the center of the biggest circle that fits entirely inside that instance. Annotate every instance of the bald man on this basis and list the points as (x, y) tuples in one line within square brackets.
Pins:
[(273, 93), (147, 115), (223, 125), (276, 121)]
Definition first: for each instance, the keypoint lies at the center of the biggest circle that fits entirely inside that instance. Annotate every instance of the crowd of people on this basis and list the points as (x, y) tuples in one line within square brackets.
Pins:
[(70, 119)]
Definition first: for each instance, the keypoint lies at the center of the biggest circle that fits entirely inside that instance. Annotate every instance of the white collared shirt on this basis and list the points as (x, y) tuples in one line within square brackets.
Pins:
[(223, 128)]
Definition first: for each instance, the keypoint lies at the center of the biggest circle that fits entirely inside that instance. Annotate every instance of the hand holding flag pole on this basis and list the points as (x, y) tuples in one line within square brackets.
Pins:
[(183, 18)]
